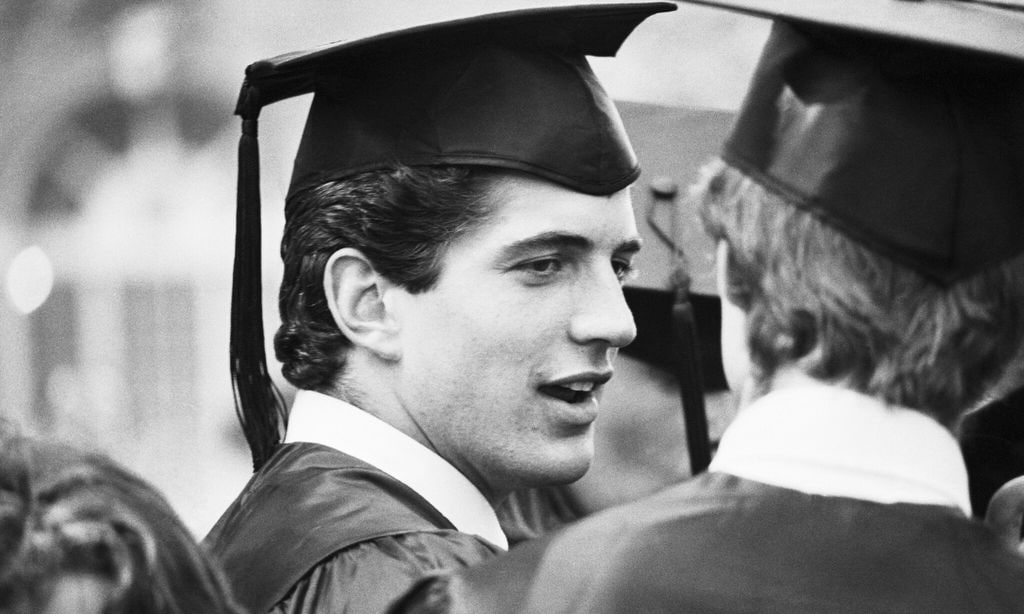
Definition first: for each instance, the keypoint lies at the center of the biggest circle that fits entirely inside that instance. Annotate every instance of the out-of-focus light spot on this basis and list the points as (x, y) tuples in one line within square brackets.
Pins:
[(29, 279)]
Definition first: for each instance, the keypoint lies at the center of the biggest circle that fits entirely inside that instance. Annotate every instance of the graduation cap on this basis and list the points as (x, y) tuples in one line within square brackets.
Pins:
[(510, 90), (898, 122)]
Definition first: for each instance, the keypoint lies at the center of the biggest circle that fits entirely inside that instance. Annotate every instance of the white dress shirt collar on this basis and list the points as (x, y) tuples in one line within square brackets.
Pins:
[(322, 419), (827, 440)]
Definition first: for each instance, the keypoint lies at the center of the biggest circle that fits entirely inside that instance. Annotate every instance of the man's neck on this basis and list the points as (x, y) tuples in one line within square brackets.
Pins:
[(370, 386), (827, 439), (792, 377)]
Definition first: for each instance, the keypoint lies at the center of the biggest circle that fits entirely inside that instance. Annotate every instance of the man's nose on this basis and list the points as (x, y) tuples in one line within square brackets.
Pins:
[(602, 314)]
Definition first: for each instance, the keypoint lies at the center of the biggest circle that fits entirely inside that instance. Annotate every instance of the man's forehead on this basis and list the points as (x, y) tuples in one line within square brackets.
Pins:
[(535, 211)]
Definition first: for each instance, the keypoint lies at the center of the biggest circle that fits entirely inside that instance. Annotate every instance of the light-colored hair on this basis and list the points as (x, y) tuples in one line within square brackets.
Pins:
[(66, 513), (823, 303)]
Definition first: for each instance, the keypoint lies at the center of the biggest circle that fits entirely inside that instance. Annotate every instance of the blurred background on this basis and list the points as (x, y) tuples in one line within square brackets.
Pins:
[(117, 203)]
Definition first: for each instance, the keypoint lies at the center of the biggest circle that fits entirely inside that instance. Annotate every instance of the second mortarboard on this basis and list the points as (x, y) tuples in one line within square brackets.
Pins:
[(511, 90), (898, 122)]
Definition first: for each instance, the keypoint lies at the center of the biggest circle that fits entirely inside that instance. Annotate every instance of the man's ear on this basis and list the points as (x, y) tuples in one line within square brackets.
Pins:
[(355, 294)]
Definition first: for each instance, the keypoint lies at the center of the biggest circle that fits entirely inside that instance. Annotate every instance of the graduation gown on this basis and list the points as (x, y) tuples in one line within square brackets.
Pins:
[(723, 544), (317, 530), (531, 512), (992, 439)]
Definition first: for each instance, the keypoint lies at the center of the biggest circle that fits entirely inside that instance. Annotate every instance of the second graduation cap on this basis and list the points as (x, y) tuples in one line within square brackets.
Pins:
[(900, 123), (511, 90)]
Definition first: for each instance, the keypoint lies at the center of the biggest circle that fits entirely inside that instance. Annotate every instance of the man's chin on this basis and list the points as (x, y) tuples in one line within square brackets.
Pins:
[(566, 470), (561, 463)]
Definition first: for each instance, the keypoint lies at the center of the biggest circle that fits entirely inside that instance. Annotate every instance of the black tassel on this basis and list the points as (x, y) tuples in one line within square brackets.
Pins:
[(258, 403), (684, 330), (691, 382)]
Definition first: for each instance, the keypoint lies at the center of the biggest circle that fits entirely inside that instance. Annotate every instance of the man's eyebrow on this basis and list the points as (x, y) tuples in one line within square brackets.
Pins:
[(630, 246), (561, 240), (546, 241)]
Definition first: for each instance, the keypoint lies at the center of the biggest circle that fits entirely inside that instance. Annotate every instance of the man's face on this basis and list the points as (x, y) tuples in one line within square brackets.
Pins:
[(503, 360)]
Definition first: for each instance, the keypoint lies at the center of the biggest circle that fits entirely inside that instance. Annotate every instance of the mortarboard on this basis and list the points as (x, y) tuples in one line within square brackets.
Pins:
[(510, 90), (898, 122)]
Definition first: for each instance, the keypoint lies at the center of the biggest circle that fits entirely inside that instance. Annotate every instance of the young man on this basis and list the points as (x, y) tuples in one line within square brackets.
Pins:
[(457, 231), (641, 437), (868, 213)]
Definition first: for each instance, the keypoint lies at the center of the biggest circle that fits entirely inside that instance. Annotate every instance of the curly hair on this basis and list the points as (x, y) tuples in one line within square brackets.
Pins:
[(402, 220), (819, 301), (66, 514)]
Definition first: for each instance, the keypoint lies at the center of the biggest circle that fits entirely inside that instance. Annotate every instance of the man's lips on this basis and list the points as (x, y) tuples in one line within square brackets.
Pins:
[(564, 393), (576, 389)]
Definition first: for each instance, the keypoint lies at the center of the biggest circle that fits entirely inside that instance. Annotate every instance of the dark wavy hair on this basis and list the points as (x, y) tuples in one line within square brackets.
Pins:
[(65, 513), (402, 220), (821, 302)]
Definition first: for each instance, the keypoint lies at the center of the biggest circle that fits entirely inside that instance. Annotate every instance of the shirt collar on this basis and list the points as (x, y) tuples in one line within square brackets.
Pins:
[(827, 440), (322, 419)]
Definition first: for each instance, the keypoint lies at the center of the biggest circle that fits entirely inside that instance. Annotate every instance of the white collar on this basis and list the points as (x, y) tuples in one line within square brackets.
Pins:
[(322, 419), (828, 440)]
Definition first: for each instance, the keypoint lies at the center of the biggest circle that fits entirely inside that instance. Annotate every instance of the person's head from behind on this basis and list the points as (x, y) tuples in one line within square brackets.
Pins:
[(79, 533), (866, 239), (816, 301), (457, 230)]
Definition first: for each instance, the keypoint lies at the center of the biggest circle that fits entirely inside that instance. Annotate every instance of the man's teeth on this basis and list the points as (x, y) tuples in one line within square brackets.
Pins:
[(580, 386), (574, 392)]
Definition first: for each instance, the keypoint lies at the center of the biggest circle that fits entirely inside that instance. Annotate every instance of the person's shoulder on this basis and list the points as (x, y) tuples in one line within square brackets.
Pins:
[(284, 493), (601, 563), (422, 551), (497, 586), (558, 571), (290, 519), (367, 576)]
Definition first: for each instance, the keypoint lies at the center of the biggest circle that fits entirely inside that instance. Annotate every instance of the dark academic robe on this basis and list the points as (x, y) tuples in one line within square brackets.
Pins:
[(725, 545), (531, 512), (992, 441), (316, 530)]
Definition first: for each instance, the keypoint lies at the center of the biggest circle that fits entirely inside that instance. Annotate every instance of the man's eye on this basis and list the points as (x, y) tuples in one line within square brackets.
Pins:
[(624, 269), (542, 266)]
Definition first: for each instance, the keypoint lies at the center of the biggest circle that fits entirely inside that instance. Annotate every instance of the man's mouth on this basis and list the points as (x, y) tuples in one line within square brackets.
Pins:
[(572, 392)]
